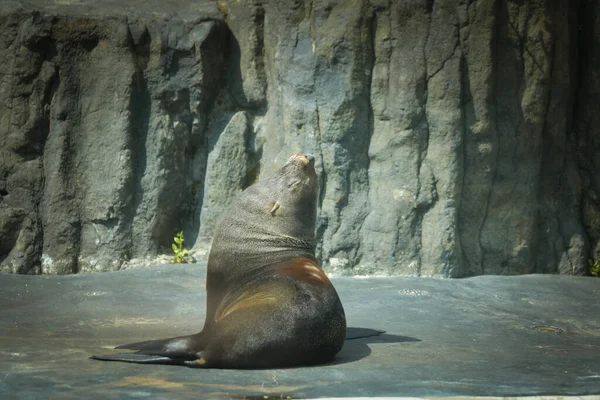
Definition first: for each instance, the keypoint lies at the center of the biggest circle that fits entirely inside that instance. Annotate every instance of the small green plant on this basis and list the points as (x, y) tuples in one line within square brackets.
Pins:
[(594, 267), (178, 249)]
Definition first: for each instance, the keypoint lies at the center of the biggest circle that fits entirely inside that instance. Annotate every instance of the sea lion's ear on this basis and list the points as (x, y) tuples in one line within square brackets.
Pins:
[(275, 207), (294, 183)]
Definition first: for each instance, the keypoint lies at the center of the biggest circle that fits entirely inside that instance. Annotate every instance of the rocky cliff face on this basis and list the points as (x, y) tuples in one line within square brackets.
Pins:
[(453, 137)]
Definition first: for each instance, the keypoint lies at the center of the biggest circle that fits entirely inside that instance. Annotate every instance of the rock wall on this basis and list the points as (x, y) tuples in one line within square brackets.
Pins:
[(453, 138)]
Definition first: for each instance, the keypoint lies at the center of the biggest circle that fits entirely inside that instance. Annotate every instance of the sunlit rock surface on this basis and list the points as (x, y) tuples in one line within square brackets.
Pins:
[(453, 138)]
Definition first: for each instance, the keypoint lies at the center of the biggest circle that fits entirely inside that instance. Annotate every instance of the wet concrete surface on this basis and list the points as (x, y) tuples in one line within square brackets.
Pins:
[(483, 336)]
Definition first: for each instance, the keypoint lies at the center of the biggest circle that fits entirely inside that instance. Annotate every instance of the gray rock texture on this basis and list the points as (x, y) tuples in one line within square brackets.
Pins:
[(454, 138)]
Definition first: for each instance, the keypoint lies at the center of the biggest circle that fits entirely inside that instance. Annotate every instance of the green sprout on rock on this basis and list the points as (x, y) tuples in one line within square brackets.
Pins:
[(594, 267), (180, 252)]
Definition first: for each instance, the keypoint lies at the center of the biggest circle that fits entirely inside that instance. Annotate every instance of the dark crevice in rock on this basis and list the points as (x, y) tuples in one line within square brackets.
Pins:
[(582, 123), (173, 197), (423, 142), (75, 245), (140, 109), (176, 103), (215, 66), (34, 263), (139, 44), (254, 150), (443, 64), (90, 44), (467, 116), (465, 101), (12, 221), (259, 56), (371, 61), (322, 222), (37, 133), (62, 225), (215, 106), (583, 132), (170, 60), (246, 68), (107, 222), (548, 158), (429, 6), (496, 43)]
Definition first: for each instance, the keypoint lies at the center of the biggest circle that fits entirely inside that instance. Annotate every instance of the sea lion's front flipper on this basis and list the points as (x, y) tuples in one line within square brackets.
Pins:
[(139, 358)]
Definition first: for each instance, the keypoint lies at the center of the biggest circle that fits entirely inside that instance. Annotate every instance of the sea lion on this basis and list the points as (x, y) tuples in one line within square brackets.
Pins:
[(269, 303)]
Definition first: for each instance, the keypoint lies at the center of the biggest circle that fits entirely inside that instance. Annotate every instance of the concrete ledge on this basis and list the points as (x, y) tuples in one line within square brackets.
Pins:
[(535, 335)]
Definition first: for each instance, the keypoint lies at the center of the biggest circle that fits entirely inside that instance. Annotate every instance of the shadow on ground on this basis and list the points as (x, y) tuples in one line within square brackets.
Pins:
[(358, 340)]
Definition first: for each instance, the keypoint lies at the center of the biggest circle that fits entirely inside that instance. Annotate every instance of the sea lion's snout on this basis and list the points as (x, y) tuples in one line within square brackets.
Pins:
[(305, 158)]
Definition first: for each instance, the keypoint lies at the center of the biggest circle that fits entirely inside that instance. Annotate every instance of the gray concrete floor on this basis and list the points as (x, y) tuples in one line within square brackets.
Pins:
[(484, 336)]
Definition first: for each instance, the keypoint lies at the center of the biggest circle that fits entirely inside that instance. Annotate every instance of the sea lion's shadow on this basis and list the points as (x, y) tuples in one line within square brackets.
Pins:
[(357, 340)]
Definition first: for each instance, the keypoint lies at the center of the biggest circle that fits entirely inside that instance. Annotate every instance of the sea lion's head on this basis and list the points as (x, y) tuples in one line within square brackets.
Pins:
[(298, 179), (293, 193), (272, 217)]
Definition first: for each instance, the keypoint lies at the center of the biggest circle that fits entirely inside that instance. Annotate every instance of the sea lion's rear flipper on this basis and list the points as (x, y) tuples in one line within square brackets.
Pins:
[(156, 345), (185, 347), (139, 358), (162, 351)]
